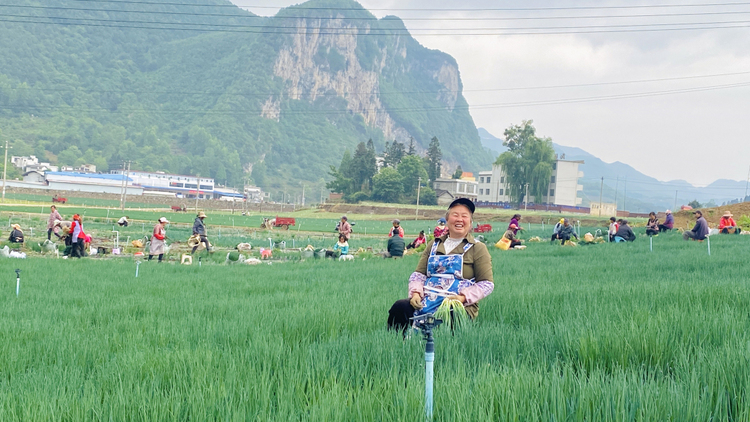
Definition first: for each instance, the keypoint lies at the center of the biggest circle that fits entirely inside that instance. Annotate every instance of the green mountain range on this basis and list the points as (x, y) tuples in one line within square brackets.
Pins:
[(203, 87)]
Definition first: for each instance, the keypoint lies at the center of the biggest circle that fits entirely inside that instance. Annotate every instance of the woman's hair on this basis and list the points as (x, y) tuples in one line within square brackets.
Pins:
[(652, 213), (516, 216), (341, 236), (421, 232), (53, 207), (612, 219), (395, 231)]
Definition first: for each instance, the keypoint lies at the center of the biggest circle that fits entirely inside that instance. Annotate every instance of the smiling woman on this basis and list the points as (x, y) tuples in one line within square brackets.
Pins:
[(453, 266)]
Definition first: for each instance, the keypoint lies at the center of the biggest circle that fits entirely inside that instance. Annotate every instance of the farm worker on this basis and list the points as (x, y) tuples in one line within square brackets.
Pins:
[(418, 241), (727, 224), (454, 264), (613, 226), (515, 222), (558, 226), (652, 225), (199, 229), (157, 240), (624, 233), (565, 232), (51, 227), (397, 229), (440, 229), (510, 234), (77, 237), (668, 222), (123, 221), (342, 245), (16, 235), (700, 230), (395, 248), (344, 227)]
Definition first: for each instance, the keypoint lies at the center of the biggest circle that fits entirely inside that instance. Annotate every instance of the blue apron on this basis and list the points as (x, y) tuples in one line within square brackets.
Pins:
[(444, 278)]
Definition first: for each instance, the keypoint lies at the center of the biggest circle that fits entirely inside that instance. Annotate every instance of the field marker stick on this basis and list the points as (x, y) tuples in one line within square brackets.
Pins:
[(708, 239), (18, 281), (651, 239), (137, 265)]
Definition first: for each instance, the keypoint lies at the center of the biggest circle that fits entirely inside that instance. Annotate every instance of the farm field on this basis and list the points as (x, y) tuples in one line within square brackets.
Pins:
[(609, 332)]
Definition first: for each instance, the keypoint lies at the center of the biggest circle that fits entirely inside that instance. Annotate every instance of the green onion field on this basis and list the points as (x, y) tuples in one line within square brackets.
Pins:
[(608, 332)]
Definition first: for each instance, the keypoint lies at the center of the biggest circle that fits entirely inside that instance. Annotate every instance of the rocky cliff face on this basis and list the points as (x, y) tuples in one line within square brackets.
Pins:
[(314, 65)]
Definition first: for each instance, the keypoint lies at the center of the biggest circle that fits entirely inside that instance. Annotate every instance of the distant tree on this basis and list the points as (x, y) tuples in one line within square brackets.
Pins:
[(341, 182), (528, 160), (434, 155), (695, 204), (411, 170), (458, 173), (69, 156), (387, 186), (427, 196), (363, 167), (412, 150), (393, 154)]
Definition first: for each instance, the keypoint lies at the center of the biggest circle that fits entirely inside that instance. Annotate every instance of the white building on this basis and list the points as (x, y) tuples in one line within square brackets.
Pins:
[(254, 194), (563, 187), (88, 182), (22, 162), (457, 188), (183, 186)]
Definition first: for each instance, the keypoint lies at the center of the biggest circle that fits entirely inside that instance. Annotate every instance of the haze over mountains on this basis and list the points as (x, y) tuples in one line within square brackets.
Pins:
[(636, 192)]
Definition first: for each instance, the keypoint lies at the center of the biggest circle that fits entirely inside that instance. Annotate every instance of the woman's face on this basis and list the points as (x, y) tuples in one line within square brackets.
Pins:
[(459, 221)]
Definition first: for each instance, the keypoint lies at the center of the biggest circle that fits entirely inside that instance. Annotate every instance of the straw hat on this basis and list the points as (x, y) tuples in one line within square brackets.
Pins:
[(728, 214), (201, 214), (163, 220), (669, 212), (16, 226)]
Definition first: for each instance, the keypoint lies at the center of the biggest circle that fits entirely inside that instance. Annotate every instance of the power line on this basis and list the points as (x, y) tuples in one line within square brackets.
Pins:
[(366, 18), (522, 9), (381, 34), (357, 30), (442, 91), (405, 109)]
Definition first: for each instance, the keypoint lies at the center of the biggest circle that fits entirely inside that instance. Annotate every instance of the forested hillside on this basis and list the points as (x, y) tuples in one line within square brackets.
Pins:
[(218, 91)]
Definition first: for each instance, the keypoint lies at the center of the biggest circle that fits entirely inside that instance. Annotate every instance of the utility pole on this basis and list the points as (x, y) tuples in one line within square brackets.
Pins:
[(5, 168), (419, 185), (122, 188), (617, 185), (526, 198), (125, 191), (601, 191), (197, 190), (303, 194), (746, 185)]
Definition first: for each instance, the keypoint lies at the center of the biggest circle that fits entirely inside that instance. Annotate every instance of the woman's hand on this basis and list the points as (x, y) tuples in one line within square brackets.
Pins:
[(416, 301), (460, 298)]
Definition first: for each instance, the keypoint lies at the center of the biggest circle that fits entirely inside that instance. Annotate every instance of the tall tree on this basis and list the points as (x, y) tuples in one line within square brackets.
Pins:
[(528, 160), (342, 181), (393, 155), (363, 167), (458, 173), (387, 185), (412, 150), (434, 155), (411, 170)]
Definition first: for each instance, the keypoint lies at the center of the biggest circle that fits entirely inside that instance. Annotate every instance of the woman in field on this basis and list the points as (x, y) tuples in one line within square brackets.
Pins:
[(342, 246), (652, 225), (158, 246), (453, 266), (77, 237), (51, 227), (515, 224), (199, 229), (440, 229)]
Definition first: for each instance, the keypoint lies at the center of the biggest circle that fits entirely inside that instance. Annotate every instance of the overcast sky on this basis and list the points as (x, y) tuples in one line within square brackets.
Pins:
[(698, 136)]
